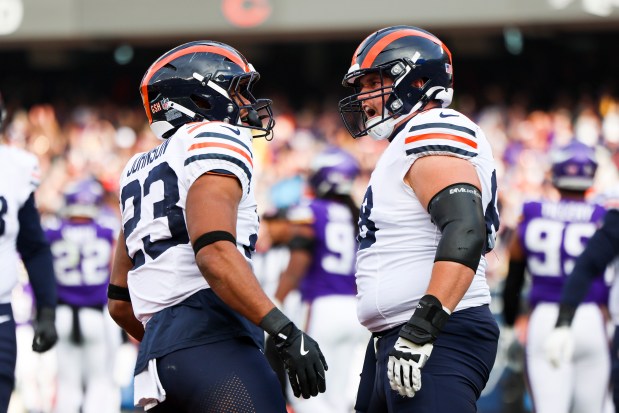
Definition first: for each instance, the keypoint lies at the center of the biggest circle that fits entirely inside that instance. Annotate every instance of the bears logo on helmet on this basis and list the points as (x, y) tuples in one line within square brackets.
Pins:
[(404, 54), (203, 80)]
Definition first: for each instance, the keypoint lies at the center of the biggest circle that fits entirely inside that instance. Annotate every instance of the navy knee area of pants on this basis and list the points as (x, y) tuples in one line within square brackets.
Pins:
[(455, 374), (614, 359), (8, 355), (227, 376)]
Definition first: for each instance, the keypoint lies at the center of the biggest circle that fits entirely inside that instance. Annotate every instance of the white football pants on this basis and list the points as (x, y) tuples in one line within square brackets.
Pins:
[(579, 386)]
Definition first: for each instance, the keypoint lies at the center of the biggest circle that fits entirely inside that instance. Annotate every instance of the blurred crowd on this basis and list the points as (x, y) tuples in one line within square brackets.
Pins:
[(97, 141)]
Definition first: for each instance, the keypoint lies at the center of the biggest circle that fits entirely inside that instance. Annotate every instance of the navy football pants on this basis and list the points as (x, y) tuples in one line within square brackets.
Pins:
[(452, 379), (227, 376), (8, 355), (614, 360)]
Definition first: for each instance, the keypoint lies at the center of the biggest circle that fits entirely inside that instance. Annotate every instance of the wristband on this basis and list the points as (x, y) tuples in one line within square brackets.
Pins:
[(46, 314), (566, 315), (426, 322), (274, 322)]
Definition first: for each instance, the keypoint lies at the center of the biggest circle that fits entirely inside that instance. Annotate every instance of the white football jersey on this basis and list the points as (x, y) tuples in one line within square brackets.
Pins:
[(21, 175), (398, 241), (153, 192)]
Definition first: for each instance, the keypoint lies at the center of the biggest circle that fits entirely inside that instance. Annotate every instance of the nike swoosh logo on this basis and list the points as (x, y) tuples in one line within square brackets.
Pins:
[(4, 318), (303, 350), (235, 131), (447, 115)]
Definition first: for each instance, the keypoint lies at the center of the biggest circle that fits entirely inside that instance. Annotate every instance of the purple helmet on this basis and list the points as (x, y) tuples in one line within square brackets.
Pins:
[(573, 166), (333, 172), (83, 198)]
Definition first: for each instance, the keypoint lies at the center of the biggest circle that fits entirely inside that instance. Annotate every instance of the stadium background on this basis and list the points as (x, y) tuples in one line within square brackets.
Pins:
[(532, 73)]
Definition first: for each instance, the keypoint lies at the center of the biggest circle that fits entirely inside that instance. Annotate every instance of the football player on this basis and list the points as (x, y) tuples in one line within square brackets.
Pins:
[(21, 235), (322, 268), (82, 244), (601, 250), (548, 239), (182, 281), (428, 216)]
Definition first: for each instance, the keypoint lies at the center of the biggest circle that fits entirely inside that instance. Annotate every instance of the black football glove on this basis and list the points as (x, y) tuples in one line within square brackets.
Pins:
[(45, 335), (301, 355)]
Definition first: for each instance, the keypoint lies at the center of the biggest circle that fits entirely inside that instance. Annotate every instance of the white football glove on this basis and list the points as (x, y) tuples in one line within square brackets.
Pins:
[(559, 346), (405, 362)]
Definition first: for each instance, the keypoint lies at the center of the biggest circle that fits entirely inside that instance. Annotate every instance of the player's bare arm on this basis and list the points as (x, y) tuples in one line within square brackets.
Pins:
[(301, 247), (427, 177), (120, 307), (212, 203)]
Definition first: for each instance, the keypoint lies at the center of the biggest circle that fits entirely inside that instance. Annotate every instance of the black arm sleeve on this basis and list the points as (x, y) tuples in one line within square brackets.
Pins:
[(601, 249), (36, 254), (511, 291), (458, 213)]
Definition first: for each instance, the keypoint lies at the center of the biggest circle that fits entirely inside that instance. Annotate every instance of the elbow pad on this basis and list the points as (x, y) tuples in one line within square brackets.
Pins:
[(458, 213)]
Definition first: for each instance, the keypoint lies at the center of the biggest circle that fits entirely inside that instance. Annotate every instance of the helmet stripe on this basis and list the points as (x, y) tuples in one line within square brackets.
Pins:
[(393, 36), (168, 58), (356, 54)]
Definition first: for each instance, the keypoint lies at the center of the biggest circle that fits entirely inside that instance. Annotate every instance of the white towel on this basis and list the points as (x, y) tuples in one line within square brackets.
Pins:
[(148, 391)]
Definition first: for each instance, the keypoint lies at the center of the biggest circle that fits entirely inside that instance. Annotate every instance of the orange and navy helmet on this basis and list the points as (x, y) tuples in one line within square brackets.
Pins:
[(203, 80), (404, 54)]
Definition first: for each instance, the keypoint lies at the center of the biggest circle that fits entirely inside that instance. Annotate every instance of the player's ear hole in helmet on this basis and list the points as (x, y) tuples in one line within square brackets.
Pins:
[(204, 80), (413, 66)]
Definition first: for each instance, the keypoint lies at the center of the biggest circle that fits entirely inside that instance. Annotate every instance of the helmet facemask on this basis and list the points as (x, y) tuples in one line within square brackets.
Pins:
[(201, 81), (419, 65), (252, 113), (399, 99), (235, 105), (356, 120)]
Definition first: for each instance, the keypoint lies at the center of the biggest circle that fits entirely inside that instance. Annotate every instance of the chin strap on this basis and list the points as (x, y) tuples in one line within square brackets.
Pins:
[(384, 128), (252, 118)]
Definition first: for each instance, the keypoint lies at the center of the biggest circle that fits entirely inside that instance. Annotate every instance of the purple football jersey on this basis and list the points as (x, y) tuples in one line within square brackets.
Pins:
[(553, 235), (333, 267), (82, 254)]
